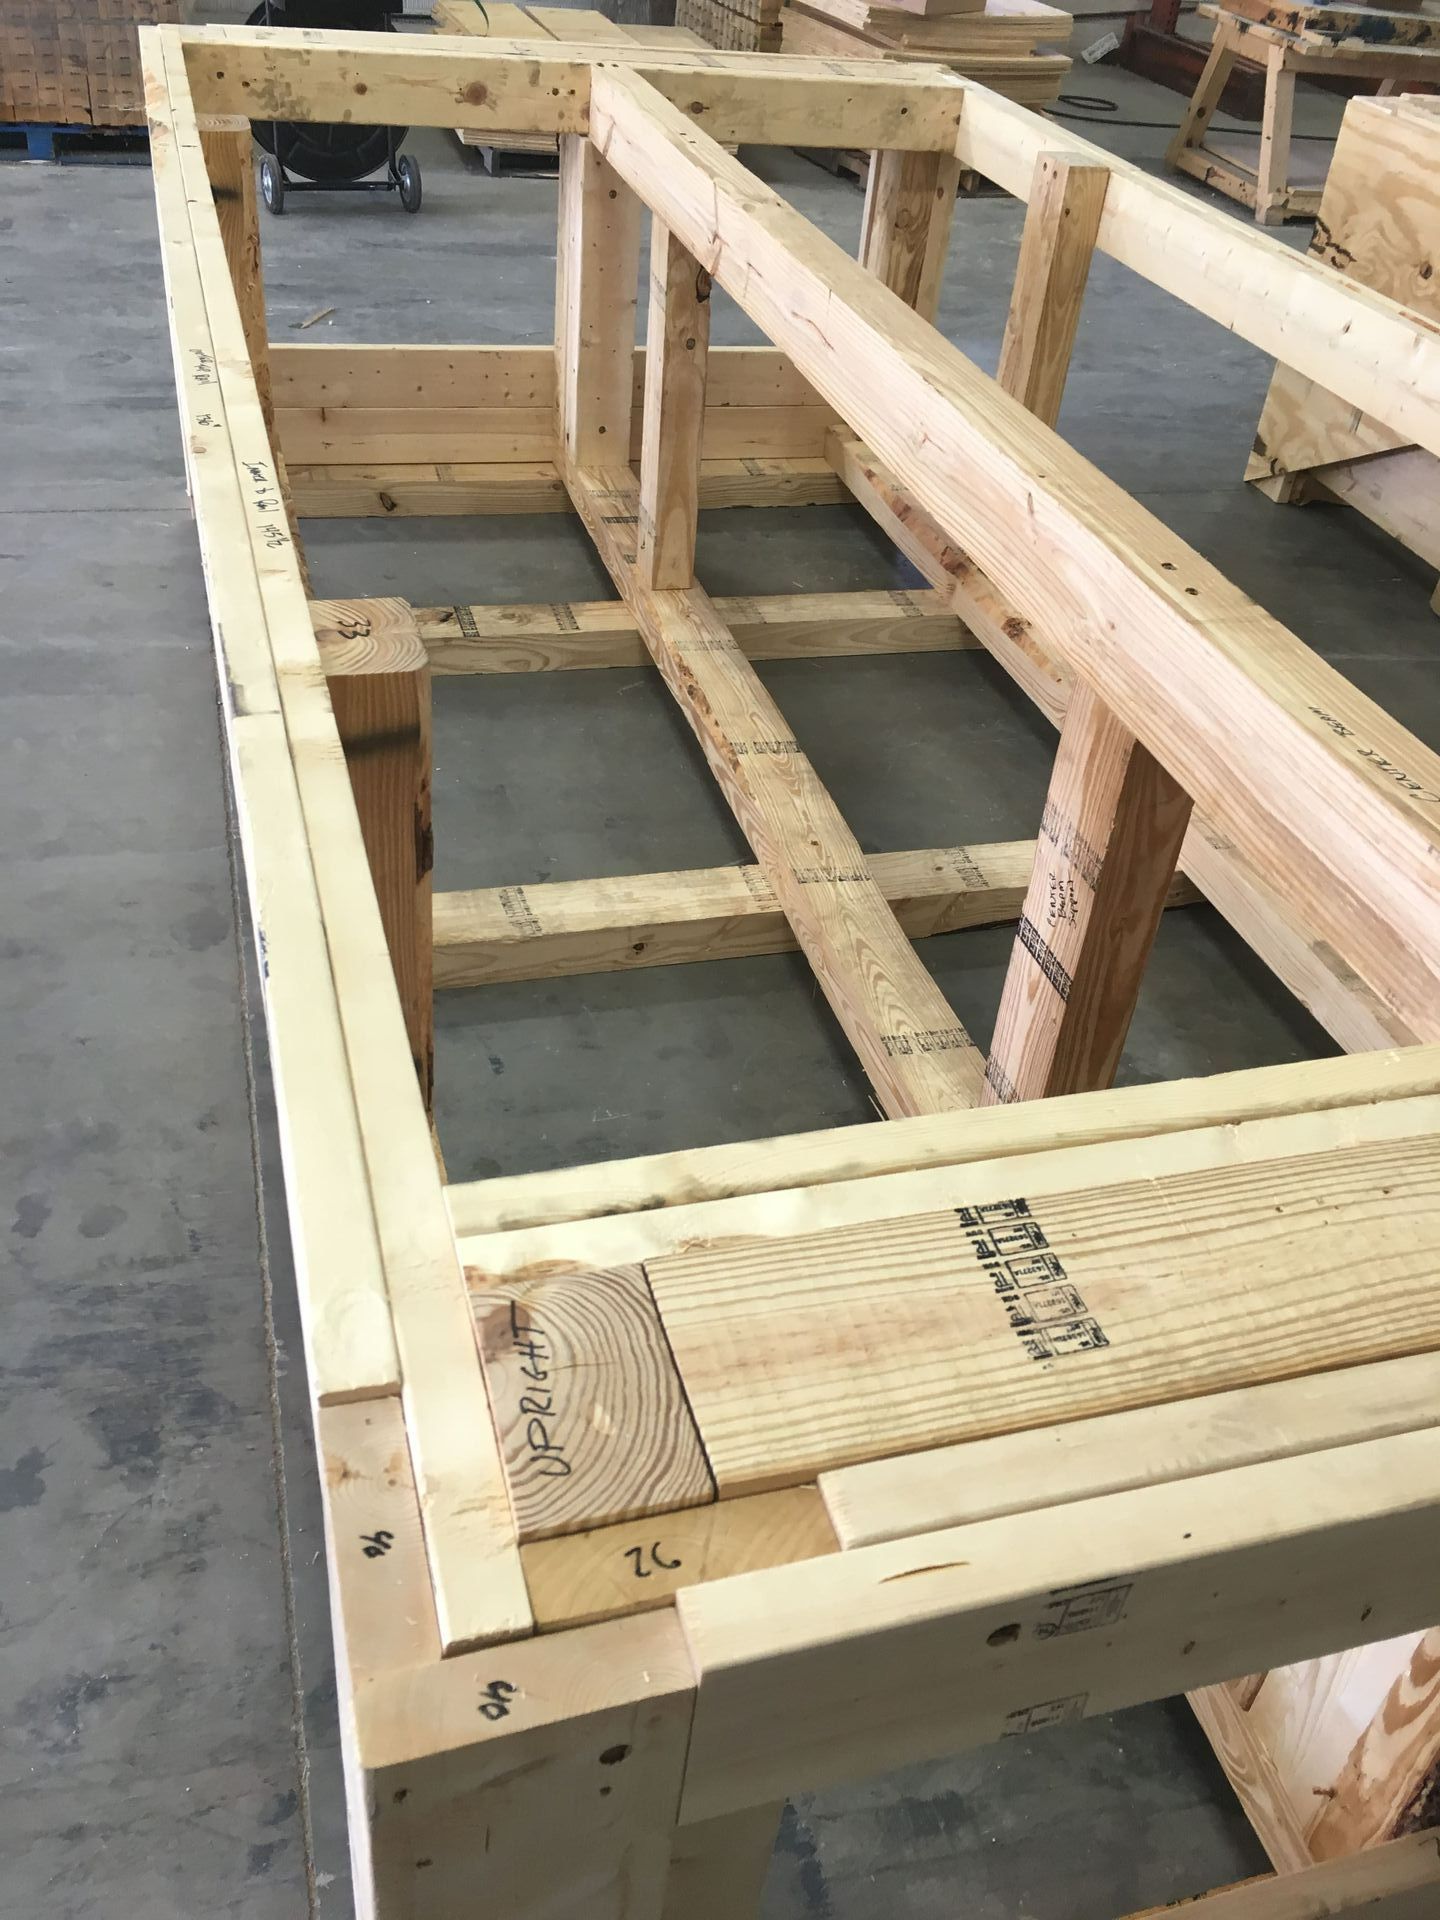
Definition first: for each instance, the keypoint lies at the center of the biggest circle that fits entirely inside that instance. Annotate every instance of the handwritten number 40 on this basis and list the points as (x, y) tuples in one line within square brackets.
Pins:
[(638, 1556)]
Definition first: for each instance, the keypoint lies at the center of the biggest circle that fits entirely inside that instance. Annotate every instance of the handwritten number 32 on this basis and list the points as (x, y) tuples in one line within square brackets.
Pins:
[(638, 1556)]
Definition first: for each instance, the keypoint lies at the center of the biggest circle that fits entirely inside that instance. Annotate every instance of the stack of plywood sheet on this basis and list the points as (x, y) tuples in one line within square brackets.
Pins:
[(75, 62), (994, 41), (740, 26)]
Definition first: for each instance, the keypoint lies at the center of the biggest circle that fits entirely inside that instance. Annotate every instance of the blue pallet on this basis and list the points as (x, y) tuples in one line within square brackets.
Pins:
[(42, 140)]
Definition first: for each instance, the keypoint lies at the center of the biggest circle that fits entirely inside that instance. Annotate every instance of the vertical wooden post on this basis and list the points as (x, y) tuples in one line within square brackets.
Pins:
[(676, 344), (1109, 841), (379, 678), (1272, 185), (229, 161), (1061, 225), (597, 263), (718, 1867), (1209, 88), (905, 228)]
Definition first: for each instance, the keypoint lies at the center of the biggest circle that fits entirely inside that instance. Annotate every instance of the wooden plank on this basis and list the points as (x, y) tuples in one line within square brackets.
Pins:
[(1309, 965), (1051, 1466), (383, 1605), (587, 1402), (1395, 1882), (631, 1567), (1387, 1786), (905, 227), (597, 261), (678, 342), (866, 1660), (917, 1054), (1061, 223), (381, 703), (565, 927), (718, 1867), (1397, 492), (1252, 1773), (1344, 25), (474, 1561), (349, 493), (516, 87), (1110, 837), (704, 1176), (588, 1728), (1272, 194), (997, 1315), (1189, 135), (1172, 647)]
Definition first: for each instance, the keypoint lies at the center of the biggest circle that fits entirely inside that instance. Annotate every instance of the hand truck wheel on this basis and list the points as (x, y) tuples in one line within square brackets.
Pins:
[(272, 186), (407, 177)]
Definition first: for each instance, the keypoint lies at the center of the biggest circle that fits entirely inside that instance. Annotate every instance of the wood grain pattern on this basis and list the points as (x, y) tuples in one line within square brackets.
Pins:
[(905, 225), (1390, 1782), (1253, 1774), (1061, 224), (1105, 859), (917, 1054), (1006, 1315), (376, 1544), (1400, 1882), (677, 345), (597, 263), (586, 1399), (633, 1566)]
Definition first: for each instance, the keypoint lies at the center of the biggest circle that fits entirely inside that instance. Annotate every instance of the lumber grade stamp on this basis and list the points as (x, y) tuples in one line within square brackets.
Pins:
[(658, 1490)]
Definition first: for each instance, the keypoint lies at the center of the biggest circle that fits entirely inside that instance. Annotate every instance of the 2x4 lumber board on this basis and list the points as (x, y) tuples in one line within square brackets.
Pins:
[(1387, 1784), (407, 376), (383, 1602), (521, 87), (584, 634), (1110, 836), (589, 1407), (350, 1344), (678, 343), (348, 493), (381, 704), (566, 927), (469, 1765), (1252, 1773), (1308, 964), (1399, 1881), (474, 1560), (995, 1315), (1172, 647), (630, 1567), (917, 1054), (1357, 343), (905, 226), (705, 1175), (597, 262), (864, 1660), (1056, 246), (1051, 1466), (718, 1868)]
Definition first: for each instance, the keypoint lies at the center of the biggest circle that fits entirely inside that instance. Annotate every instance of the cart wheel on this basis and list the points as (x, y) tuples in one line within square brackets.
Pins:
[(272, 186), (407, 172)]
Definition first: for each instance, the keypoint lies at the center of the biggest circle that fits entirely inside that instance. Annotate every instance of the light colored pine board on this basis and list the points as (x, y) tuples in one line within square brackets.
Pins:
[(718, 1867), (597, 256), (565, 927), (997, 1315), (384, 1606), (516, 87), (1400, 1881), (641, 1564), (678, 344), (1110, 836), (1061, 222), (905, 226), (586, 1400), (844, 1666), (1397, 492), (917, 1054), (1051, 1466), (1252, 1774), (348, 493), (1388, 1783)]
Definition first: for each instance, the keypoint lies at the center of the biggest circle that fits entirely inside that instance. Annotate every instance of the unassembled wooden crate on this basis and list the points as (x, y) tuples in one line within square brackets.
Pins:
[(658, 1490)]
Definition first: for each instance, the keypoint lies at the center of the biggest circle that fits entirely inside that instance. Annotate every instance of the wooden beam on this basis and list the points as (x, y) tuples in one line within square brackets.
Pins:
[(1056, 246), (996, 1315), (705, 1176), (1340, 999), (1051, 1466), (1399, 1881), (836, 1668), (905, 227), (718, 1867), (380, 696), (597, 261), (1273, 181), (549, 931), (569, 635), (521, 86), (1110, 837), (917, 1054), (677, 343)]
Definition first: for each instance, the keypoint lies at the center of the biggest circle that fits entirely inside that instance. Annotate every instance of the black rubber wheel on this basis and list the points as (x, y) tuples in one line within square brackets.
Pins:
[(272, 186), (408, 173), (311, 149)]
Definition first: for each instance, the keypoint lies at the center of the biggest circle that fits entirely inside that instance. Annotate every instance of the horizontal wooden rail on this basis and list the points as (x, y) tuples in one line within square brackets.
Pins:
[(562, 927)]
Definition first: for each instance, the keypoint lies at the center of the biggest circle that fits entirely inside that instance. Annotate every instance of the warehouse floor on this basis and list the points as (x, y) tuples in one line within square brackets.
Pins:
[(166, 1699)]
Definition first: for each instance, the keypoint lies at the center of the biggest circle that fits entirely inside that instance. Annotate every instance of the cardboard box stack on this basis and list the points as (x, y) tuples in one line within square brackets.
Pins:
[(76, 62)]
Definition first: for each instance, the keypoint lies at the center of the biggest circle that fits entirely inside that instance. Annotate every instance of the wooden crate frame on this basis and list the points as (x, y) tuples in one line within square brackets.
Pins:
[(1055, 1541)]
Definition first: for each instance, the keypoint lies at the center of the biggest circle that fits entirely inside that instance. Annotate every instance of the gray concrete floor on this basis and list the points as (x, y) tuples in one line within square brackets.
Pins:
[(166, 1694)]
